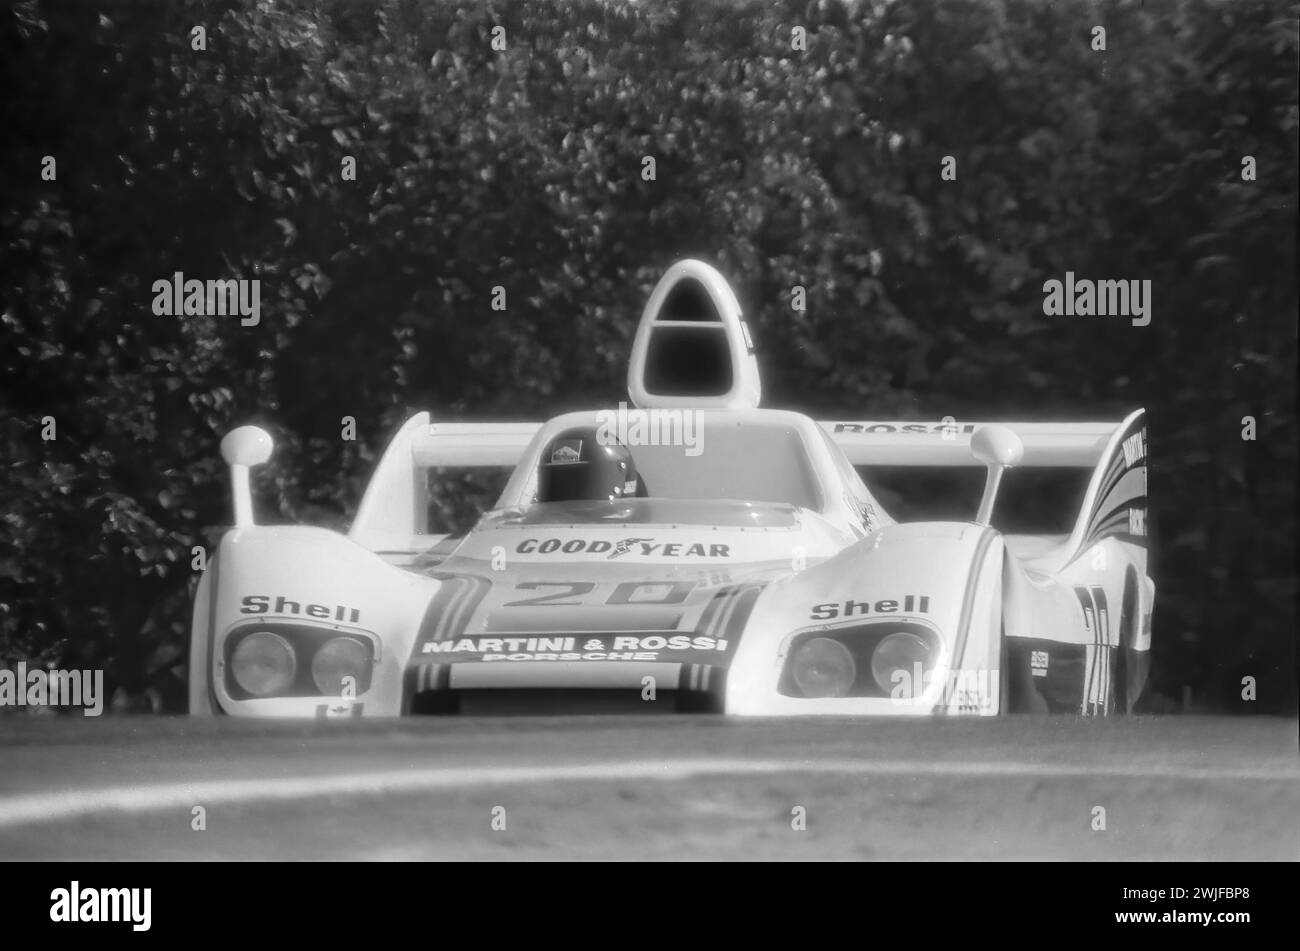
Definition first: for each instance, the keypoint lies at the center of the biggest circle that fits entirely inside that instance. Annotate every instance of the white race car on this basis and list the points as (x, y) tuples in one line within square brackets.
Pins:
[(690, 551)]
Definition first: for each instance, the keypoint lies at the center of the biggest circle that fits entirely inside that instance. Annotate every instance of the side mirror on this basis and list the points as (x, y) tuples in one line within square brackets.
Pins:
[(242, 449), (998, 448)]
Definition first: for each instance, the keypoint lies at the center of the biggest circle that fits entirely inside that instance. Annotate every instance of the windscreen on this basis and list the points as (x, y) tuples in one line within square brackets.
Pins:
[(729, 461)]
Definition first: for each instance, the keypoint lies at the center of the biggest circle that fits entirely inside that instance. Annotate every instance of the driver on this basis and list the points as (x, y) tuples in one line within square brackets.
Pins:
[(576, 466)]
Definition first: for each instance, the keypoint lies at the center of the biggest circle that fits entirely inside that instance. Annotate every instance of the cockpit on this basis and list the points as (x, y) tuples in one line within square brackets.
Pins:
[(679, 454)]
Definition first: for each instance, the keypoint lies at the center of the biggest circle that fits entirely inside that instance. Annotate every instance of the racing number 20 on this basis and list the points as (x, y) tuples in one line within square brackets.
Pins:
[(629, 592)]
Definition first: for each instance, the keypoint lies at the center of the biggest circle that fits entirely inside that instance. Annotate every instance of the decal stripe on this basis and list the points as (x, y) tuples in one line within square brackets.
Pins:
[(1132, 501), (1121, 487), (1103, 648), (1097, 675), (1119, 462), (725, 615), (445, 618), (1090, 677), (475, 589), (434, 624), (1114, 471), (456, 591), (709, 617), (739, 617), (448, 612), (1109, 529), (1085, 604), (684, 676), (1094, 665), (1128, 491), (1131, 485), (1113, 518), (1117, 522)]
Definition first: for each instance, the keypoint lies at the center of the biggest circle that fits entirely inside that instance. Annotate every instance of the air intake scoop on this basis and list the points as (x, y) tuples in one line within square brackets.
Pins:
[(692, 347)]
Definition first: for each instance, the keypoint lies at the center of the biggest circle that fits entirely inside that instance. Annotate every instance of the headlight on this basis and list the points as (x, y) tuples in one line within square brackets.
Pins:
[(900, 664), (342, 657), (263, 664), (822, 667)]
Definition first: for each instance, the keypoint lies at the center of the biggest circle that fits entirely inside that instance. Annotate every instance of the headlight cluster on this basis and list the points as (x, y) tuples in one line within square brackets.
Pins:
[(300, 662), (863, 661)]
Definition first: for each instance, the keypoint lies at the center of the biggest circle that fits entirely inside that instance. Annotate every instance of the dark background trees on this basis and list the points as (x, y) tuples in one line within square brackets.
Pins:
[(522, 168)]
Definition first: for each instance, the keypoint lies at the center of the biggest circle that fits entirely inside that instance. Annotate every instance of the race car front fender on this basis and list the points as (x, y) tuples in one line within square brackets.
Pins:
[(315, 580), (938, 577)]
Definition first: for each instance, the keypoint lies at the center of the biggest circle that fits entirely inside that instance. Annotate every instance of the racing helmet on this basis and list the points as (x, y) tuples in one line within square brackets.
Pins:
[(577, 466)]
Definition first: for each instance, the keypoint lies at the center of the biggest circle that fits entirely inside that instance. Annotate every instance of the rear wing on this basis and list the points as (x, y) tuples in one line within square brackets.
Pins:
[(948, 443), (865, 443), (1115, 504)]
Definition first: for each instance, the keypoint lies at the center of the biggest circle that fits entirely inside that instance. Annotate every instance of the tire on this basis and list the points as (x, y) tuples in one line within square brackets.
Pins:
[(1117, 702), (1004, 673)]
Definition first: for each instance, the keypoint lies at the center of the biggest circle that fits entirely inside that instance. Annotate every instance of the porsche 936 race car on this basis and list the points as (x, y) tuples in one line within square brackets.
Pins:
[(691, 551)]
